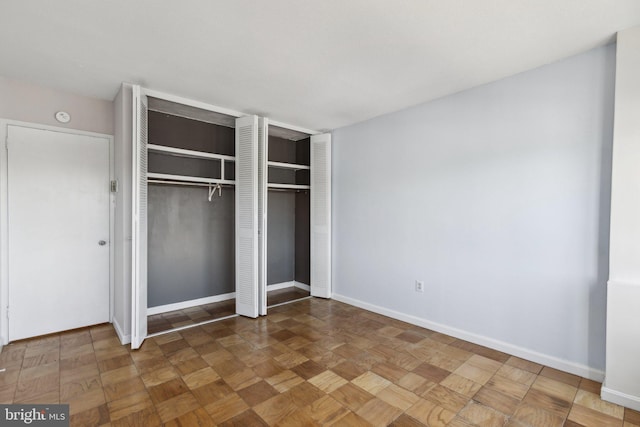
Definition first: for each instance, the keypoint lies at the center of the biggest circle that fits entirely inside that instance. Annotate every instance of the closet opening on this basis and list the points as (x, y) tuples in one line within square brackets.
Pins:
[(287, 226), (191, 216), (228, 210), (191, 203)]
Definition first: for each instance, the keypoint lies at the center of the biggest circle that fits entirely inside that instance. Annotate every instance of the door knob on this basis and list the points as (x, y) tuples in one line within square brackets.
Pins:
[(102, 243)]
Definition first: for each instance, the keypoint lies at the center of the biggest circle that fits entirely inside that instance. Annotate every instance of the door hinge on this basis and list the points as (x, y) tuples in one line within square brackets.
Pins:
[(114, 186)]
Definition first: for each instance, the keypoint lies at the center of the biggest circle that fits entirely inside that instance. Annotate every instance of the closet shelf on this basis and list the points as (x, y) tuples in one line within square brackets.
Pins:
[(188, 153), (183, 178), (289, 186), (281, 165)]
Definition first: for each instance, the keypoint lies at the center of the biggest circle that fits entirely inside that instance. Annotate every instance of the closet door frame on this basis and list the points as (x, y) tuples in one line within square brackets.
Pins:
[(139, 218), (138, 215), (139, 283), (320, 233), (263, 203), (4, 211)]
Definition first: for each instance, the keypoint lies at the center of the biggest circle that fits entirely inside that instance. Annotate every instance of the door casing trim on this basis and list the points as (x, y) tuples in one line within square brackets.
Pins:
[(4, 211)]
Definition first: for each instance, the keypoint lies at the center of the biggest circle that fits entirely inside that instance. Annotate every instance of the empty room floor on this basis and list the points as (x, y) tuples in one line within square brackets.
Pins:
[(312, 362)]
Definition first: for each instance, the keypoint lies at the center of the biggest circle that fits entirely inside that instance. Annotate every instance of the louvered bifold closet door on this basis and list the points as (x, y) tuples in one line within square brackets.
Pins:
[(247, 216), (263, 150), (139, 225), (321, 215)]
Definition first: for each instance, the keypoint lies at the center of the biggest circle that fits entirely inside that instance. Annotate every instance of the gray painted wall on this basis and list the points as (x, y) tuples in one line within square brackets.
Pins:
[(288, 216), (303, 238), (498, 198), (281, 244), (38, 104), (191, 244), (288, 237)]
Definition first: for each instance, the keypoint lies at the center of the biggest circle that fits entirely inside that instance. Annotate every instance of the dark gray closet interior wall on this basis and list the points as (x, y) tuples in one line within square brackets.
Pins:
[(303, 243), (282, 150), (288, 215), (281, 211), (191, 245), (179, 132), (203, 168), (191, 241), (303, 215), (281, 243)]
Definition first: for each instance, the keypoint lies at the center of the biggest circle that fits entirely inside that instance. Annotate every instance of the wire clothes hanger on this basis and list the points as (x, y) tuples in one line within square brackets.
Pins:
[(212, 190)]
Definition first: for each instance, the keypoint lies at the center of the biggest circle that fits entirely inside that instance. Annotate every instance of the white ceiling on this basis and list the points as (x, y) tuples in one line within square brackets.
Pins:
[(319, 64)]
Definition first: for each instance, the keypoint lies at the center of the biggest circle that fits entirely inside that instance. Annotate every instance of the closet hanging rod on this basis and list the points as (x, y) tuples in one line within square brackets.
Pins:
[(291, 186), (289, 190), (190, 179), (190, 184)]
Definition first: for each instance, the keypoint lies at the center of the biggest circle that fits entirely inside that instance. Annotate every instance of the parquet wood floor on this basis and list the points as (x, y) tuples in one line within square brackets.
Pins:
[(205, 313), (312, 362), (281, 296)]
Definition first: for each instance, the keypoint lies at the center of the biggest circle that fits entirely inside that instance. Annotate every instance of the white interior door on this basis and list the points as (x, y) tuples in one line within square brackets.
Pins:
[(58, 222), (321, 215), (263, 177), (139, 220), (247, 297)]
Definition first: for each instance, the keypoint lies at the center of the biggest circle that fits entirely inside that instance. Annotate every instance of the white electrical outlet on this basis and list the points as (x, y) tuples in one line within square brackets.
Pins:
[(419, 286)]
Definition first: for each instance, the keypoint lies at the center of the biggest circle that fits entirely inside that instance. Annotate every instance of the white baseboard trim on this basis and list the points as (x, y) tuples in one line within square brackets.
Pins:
[(124, 338), (614, 282), (624, 399), (524, 353), (278, 286), (302, 286), (217, 298), (188, 304), (292, 284)]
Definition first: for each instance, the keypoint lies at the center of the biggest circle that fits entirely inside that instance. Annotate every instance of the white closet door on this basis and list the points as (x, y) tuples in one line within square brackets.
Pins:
[(263, 174), (321, 215), (247, 216), (139, 225)]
